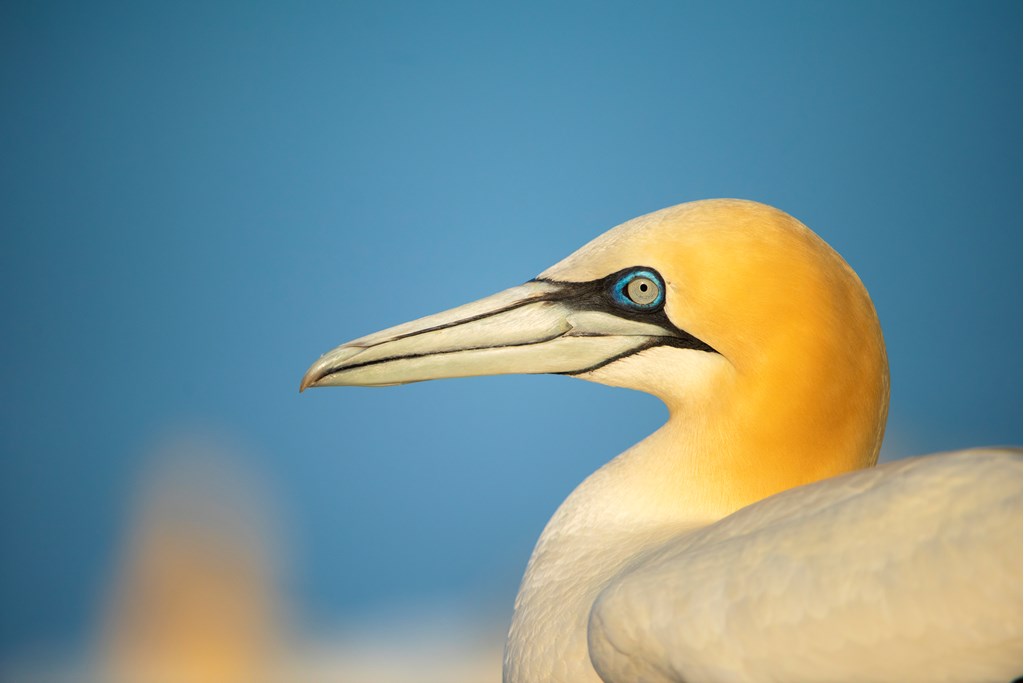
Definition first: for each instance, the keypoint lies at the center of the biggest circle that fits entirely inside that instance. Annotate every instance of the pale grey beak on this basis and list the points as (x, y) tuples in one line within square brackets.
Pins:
[(538, 327)]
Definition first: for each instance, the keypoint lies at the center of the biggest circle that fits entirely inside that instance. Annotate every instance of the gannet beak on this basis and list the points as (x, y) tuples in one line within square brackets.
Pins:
[(539, 327)]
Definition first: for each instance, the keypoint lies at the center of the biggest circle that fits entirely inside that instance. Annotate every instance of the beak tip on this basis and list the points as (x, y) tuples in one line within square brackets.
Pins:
[(312, 376)]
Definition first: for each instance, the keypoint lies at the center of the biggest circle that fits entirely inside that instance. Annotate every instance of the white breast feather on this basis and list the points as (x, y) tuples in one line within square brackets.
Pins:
[(910, 571)]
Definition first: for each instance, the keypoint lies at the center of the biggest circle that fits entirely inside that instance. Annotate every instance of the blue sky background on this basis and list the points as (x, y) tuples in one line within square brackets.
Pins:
[(197, 199)]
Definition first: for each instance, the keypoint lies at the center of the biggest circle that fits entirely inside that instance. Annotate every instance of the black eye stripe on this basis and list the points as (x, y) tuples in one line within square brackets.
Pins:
[(596, 295)]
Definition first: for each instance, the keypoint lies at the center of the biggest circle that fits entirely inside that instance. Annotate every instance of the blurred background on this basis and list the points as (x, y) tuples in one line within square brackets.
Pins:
[(197, 199)]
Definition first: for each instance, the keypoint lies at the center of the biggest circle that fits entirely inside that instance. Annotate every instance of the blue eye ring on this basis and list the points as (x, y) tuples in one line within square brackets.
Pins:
[(637, 296)]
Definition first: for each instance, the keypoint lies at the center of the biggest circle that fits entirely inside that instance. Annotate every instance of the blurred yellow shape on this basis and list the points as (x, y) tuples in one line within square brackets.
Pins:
[(195, 599)]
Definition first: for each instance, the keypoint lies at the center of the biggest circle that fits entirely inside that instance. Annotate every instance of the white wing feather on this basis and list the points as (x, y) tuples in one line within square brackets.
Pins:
[(910, 571)]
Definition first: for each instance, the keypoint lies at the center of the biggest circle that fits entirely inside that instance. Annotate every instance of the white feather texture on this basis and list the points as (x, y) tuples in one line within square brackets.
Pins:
[(906, 572)]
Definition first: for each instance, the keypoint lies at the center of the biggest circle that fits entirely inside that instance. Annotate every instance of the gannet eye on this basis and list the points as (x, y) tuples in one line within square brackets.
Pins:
[(640, 289)]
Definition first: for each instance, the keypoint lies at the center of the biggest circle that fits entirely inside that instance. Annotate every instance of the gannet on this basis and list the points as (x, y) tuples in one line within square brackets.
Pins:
[(751, 537)]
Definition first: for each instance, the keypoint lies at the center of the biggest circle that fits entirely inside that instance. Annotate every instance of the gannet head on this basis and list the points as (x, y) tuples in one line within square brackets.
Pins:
[(741, 319)]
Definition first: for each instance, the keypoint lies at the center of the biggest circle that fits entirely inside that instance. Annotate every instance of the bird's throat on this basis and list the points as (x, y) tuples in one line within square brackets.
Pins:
[(688, 474), (617, 517)]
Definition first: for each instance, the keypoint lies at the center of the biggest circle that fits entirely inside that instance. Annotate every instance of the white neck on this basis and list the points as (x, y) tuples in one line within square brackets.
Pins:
[(616, 517)]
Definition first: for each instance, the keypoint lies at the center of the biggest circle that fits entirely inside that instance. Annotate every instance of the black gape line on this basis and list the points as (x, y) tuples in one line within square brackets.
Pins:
[(595, 295)]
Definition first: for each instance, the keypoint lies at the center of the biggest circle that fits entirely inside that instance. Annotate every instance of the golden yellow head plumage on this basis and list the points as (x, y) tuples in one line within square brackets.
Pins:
[(805, 380)]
